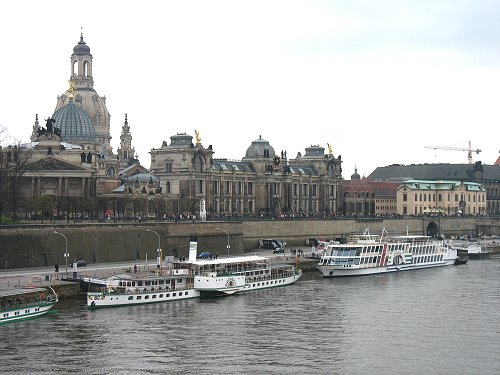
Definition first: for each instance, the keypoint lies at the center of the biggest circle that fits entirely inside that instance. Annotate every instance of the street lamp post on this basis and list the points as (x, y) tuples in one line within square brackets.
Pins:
[(228, 246), (159, 248), (66, 255)]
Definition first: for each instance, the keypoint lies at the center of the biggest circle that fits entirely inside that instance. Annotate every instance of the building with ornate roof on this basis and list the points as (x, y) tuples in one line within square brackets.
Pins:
[(419, 197), (262, 183), (71, 157), (86, 98), (486, 175)]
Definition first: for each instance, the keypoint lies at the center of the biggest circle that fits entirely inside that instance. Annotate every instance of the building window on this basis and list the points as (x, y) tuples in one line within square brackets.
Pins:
[(168, 166), (168, 187), (239, 187), (405, 197), (215, 187), (250, 188)]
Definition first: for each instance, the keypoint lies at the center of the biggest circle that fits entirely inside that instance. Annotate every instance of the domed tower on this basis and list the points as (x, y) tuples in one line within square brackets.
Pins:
[(355, 175), (74, 124), (261, 155), (259, 149), (86, 98)]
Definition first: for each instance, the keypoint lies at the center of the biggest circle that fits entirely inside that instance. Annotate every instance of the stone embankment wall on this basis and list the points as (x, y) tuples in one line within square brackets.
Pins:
[(37, 245)]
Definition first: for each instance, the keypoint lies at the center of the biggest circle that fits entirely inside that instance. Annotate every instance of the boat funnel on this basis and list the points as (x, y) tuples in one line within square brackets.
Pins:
[(193, 248)]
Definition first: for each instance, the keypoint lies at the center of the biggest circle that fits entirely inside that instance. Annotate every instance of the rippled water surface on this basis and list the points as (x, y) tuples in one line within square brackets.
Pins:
[(435, 321)]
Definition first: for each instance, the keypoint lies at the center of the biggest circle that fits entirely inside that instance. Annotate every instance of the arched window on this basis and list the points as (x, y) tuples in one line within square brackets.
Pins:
[(85, 68), (198, 164), (167, 187)]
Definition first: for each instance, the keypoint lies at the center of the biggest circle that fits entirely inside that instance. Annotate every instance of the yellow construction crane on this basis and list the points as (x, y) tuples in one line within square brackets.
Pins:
[(469, 150)]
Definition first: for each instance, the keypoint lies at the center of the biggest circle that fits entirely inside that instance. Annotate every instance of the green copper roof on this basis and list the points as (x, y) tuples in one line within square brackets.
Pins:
[(441, 185)]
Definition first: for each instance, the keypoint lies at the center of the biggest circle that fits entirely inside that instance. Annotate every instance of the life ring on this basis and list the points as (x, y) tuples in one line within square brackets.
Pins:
[(188, 272), (42, 295)]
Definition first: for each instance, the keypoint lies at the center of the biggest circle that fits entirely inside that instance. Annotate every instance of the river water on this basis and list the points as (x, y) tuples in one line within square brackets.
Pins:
[(435, 321)]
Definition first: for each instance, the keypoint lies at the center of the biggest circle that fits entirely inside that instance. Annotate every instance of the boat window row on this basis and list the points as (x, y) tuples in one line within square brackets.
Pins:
[(154, 296), (426, 249), (428, 259), (264, 283), (16, 313)]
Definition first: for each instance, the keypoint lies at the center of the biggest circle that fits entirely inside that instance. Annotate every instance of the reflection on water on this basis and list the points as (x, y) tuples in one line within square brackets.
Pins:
[(439, 321)]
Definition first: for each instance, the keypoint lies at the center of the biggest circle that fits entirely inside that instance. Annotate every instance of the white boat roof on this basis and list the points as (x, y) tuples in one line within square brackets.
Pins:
[(240, 259), (19, 291)]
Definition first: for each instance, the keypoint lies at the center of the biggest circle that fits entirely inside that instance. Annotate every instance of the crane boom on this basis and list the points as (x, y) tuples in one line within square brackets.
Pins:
[(469, 150)]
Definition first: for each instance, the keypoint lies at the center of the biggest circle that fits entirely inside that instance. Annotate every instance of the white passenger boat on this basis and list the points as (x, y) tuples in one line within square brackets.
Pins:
[(238, 274), (191, 279), (170, 284), (241, 274), (371, 254), (25, 303)]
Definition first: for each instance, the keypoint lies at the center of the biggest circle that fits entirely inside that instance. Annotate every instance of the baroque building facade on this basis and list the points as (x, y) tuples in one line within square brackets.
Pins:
[(262, 183), (72, 156), (419, 197)]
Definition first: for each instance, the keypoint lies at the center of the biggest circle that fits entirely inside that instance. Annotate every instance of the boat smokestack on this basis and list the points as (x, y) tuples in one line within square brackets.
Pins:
[(193, 248)]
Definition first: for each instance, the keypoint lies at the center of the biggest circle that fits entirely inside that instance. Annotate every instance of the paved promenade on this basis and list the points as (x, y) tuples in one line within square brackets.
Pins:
[(48, 277)]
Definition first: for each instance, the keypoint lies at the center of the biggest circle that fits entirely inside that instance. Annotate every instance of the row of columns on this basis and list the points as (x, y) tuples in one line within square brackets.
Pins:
[(62, 188)]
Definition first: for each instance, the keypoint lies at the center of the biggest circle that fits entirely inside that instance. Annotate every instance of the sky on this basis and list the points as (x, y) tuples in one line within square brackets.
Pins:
[(377, 80)]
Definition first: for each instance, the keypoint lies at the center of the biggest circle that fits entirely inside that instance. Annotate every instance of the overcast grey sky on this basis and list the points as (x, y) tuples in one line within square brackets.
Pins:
[(378, 80)]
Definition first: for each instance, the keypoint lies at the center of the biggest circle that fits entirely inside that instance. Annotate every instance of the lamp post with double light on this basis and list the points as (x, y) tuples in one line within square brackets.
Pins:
[(228, 246), (66, 255)]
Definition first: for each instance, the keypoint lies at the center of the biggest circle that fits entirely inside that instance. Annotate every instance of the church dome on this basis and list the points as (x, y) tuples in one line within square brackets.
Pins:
[(355, 175), (75, 124), (260, 148), (142, 178), (81, 48)]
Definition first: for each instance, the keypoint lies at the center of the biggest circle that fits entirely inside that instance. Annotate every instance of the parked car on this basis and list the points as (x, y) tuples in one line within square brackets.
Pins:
[(312, 242), (79, 263), (267, 243), (278, 250), (204, 255)]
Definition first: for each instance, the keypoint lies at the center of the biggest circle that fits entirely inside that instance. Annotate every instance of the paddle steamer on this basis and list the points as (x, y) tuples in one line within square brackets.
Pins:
[(370, 254), (25, 303), (190, 279)]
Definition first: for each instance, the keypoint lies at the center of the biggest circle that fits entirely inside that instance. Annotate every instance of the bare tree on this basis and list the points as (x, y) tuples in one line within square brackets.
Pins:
[(14, 162), (44, 204), (3, 134), (158, 206)]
